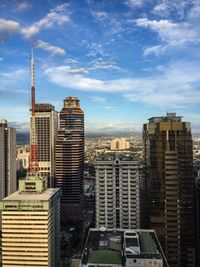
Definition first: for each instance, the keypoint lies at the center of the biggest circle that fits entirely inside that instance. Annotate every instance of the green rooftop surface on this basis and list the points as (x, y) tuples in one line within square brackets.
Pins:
[(75, 263), (147, 244), (105, 256)]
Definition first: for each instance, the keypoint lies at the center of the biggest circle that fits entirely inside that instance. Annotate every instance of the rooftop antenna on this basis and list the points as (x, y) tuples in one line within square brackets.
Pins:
[(33, 159), (32, 84)]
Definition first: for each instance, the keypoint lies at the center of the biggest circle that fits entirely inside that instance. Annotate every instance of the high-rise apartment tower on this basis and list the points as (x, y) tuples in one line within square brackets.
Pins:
[(117, 192), (169, 174), (70, 159)]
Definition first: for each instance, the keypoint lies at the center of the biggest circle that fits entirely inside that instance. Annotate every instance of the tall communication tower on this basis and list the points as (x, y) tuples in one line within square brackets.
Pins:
[(33, 160)]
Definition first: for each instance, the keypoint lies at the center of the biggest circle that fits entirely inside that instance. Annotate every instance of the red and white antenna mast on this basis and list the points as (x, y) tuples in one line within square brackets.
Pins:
[(33, 159), (32, 85)]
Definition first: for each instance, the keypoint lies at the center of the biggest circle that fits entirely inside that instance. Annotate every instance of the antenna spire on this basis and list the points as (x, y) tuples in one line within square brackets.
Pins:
[(33, 159), (32, 69), (32, 84)]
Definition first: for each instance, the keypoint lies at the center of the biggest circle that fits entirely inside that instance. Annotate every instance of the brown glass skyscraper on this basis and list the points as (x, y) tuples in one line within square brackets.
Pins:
[(70, 160), (169, 180)]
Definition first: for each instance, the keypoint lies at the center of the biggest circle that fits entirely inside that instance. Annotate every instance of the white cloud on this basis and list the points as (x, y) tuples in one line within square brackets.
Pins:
[(72, 61), (98, 99), (135, 3), (109, 107), (95, 49), (157, 49), (22, 6), (20, 126), (113, 127), (166, 8), (173, 35), (74, 78), (194, 12), (10, 80), (50, 48), (112, 23), (100, 15), (8, 27), (161, 9), (56, 16), (175, 86), (17, 74), (100, 64)]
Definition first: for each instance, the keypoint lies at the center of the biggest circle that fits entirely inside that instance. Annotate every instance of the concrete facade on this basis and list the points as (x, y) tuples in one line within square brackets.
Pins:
[(31, 225), (117, 192)]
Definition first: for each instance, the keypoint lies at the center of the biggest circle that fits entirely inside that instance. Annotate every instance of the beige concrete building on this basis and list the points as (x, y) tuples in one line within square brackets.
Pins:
[(119, 144), (31, 225), (43, 133)]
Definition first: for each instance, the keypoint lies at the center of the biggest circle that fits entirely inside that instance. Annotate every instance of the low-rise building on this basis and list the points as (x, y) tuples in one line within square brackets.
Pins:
[(122, 248)]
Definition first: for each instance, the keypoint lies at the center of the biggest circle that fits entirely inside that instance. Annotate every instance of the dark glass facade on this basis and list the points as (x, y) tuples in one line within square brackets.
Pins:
[(169, 179), (70, 160)]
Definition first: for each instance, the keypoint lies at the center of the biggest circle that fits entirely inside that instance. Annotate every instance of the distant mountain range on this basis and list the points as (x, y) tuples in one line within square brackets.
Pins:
[(22, 138)]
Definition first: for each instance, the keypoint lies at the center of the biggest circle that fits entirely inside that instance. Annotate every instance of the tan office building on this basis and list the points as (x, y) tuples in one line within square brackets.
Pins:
[(119, 144), (31, 225), (43, 133)]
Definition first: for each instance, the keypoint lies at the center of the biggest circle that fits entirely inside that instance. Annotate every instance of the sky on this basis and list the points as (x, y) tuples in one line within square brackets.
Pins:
[(126, 60)]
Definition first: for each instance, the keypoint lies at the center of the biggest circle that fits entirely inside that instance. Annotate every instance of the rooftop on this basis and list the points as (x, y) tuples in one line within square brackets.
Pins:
[(169, 117), (108, 246), (115, 156), (44, 107), (147, 244), (105, 256), (45, 196)]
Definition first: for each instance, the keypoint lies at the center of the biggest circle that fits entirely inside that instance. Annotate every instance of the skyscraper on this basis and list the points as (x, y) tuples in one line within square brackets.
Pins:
[(7, 159), (45, 125), (31, 225), (197, 218), (169, 162), (43, 132), (117, 192), (70, 159)]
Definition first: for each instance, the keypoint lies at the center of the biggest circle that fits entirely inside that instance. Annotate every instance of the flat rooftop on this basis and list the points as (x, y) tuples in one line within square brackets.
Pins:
[(44, 107), (105, 256), (147, 244), (115, 156), (45, 196), (107, 247)]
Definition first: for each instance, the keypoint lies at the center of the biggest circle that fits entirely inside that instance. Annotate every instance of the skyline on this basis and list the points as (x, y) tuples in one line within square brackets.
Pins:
[(125, 60)]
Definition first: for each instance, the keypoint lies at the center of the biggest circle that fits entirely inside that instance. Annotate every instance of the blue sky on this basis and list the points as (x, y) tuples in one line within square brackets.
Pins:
[(126, 60)]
